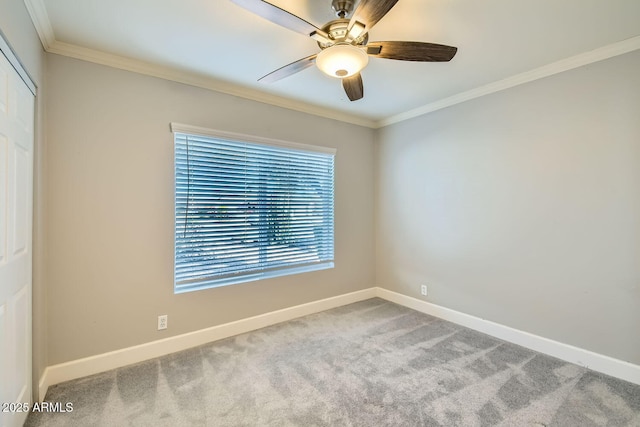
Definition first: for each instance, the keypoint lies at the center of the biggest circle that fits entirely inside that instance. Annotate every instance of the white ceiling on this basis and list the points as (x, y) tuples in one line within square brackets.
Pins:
[(225, 46)]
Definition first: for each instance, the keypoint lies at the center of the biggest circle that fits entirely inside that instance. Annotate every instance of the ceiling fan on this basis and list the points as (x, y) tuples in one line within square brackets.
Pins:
[(344, 43)]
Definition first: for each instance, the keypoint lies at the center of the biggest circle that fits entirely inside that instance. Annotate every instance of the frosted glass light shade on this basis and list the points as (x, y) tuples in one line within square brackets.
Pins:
[(342, 60)]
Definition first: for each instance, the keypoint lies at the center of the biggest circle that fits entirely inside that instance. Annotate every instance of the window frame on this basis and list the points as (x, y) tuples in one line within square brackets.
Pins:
[(188, 130)]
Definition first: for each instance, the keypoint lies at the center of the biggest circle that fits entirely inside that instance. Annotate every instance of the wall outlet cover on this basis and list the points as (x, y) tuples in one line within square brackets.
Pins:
[(163, 322)]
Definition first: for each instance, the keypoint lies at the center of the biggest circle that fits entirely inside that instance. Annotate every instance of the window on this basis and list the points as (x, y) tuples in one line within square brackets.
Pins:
[(248, 208)]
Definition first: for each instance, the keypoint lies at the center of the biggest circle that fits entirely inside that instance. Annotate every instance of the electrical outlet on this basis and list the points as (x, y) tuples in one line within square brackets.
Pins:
[(423, 290), (162, 322)]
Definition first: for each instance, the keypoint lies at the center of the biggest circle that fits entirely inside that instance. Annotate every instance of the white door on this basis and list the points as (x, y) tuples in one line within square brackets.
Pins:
[(16, 206)]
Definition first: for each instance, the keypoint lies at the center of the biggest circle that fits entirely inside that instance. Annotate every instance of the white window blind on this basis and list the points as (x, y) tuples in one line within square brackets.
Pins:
[(246, 211)]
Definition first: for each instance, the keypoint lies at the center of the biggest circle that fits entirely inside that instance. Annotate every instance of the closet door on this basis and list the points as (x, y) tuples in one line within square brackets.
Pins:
[(16, 206)]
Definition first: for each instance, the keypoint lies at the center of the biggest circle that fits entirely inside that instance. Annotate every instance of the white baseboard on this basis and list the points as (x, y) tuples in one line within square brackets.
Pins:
[(594, 361), (115, 359)]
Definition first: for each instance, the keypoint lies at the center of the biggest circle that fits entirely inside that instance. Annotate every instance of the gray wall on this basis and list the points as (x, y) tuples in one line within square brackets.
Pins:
[(18, 29), (110, 200), (523, 207)]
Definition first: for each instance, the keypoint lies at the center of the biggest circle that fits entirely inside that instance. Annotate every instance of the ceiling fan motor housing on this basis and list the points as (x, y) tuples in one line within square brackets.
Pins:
[(337, 31)]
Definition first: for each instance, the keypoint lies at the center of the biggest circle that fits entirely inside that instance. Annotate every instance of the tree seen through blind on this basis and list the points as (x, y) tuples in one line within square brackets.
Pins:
[(240, 208)]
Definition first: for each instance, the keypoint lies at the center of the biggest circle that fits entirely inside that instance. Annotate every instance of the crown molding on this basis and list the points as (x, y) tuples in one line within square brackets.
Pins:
[(193, 79), (40, 18), (41, 22), (567, 64)]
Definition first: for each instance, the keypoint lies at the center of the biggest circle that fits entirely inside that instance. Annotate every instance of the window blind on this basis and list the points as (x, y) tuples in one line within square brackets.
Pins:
[(246, 211)]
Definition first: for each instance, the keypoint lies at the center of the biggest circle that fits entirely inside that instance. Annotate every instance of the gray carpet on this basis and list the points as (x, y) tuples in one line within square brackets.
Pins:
[(372, 363)]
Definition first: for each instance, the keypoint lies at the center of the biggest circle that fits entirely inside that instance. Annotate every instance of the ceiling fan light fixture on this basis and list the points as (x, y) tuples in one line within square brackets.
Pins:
[(342, 60)]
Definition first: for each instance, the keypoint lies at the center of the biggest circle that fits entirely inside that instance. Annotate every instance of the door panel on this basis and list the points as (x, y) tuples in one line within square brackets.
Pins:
[(21, 342), (24, 116), (19, 203), (4, 363), (16, 206), (4, 89), (4, 158)]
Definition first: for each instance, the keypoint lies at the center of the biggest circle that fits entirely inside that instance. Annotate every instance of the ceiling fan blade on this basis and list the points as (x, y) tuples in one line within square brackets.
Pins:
[(368, 13), (412, 51), (289, 69), (353, 87), (281, 17)]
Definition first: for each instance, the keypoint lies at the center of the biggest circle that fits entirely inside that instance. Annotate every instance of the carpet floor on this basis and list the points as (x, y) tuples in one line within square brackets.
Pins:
[(372, 363)]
